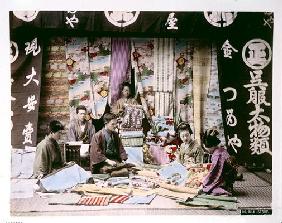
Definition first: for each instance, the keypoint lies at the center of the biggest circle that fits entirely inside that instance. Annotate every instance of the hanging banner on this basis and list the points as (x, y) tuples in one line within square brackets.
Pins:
[(99, 64), (26, 63), (212, 110), (245, 75), (143, 64), (77, 67), (184, 81)]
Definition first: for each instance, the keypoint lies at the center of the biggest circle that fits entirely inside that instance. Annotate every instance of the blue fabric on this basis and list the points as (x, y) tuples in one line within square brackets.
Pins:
[(174, 172), (140, 199), (135, 155), (64, 178)]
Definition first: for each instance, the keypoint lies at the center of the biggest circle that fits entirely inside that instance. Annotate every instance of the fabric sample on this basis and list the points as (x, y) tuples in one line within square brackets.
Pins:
[(175, 173), (159, 155), (201, 76), (142, 57), (77, 64), (100, 69), (164, 75), (132, 118), (184, 108), (120, 59), (213, 113), (119, 199), (64, 178), (135, 155), (140, 199), (94, 201)]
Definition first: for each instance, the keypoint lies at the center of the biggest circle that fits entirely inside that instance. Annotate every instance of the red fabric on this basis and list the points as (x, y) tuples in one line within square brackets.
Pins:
[(119, 199), (94, 200)]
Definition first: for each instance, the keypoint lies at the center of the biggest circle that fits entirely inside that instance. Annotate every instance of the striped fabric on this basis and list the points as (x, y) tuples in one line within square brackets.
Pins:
[(119, 66), (119, 199), (201, 77), (164, 76), (94, 200)]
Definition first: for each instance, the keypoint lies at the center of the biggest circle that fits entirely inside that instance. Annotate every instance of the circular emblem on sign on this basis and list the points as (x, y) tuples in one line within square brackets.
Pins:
[(121, 18), (257, 54), (220, 19), (26, 16), (14, 51)]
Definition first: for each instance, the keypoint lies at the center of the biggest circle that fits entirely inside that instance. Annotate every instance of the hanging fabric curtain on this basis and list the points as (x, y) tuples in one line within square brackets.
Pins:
[(77, 64), (213, 113), (120, 64), (99, 62), (143, 64), (164, 76), (184, 81), (201, 76)]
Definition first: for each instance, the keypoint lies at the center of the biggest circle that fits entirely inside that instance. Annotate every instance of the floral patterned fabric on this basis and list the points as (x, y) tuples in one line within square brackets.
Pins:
[(143, 64), (99, 63), (184, 81), (77, 64)]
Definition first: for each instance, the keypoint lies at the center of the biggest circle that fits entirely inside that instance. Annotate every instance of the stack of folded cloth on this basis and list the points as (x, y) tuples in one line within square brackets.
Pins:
[(132, 138)]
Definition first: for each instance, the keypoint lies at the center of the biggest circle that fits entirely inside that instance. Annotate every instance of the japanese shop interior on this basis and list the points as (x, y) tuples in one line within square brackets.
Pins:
[(141, 104)]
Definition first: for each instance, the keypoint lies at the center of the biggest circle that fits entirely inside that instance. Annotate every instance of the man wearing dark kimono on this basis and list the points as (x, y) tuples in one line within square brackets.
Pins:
[(48, 155), (106, 148), (80, 129)]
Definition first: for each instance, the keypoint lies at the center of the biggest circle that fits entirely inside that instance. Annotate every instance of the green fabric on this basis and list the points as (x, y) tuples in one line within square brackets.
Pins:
[(213, 202), (219, 198)]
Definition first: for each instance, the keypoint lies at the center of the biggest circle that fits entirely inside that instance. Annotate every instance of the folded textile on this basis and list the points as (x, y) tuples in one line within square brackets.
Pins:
[(94, 200), (101, 176), (219, 198), (212, 203), (131, 134), (83, 188), (174, 173), (173, 195), (64, 178), (134, 155), (119, 199), (140, 199), (159, 155)]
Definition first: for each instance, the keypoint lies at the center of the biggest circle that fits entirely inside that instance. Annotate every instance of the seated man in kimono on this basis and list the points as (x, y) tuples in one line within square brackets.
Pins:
[(223, 171), (190, 151), (106, 151), (48, 155), (80, 129)]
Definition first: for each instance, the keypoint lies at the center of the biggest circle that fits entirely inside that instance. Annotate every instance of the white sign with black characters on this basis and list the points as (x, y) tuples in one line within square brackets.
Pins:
[(121, 18)]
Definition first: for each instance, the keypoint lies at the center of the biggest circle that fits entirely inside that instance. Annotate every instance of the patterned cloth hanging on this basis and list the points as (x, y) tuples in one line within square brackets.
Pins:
[(99, 63), (184, 81), (164, 76), (119, 66), (77, 68), (142, 58), (201, 76), (213, 113)]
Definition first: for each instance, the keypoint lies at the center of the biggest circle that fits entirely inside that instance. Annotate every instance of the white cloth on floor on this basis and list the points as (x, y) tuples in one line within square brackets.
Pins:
[(135, 155)]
